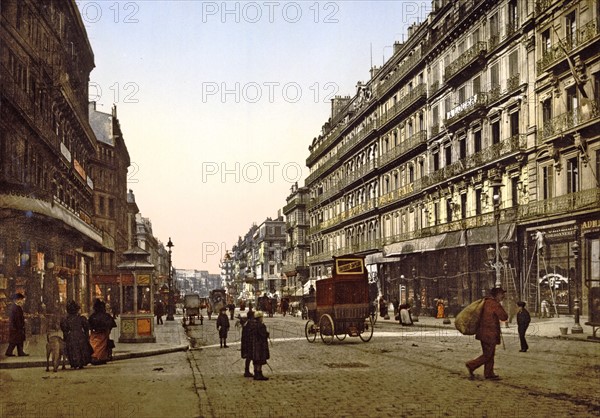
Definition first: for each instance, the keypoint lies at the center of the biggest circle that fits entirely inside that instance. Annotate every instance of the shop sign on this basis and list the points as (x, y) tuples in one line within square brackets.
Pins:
[(562, 233), (588, 227)]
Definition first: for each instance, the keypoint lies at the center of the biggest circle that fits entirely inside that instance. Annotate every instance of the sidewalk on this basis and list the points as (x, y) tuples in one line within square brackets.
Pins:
[(540, 327), (170, 338)]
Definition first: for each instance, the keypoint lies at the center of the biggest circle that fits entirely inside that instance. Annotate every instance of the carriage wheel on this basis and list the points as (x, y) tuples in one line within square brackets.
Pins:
[(341, 337), (367, 332), (310, 330), (326, 329)]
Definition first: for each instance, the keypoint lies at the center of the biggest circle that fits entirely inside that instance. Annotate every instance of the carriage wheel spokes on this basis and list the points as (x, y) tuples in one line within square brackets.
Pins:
[(326, 329), (367, 332), (310, 330)]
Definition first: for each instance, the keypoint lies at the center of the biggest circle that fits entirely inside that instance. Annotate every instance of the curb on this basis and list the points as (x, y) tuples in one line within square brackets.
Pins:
[(116, 357)]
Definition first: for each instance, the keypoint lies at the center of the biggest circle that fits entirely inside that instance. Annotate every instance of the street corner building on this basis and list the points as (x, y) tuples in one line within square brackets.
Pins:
[(66, 216)]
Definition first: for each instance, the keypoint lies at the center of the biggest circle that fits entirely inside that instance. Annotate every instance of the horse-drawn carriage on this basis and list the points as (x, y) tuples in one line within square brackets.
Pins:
[(340, 307)]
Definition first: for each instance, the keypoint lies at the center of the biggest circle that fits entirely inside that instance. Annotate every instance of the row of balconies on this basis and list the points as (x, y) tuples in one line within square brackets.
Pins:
[(488, 155), (583, 200), (567, 45), (400, 72)]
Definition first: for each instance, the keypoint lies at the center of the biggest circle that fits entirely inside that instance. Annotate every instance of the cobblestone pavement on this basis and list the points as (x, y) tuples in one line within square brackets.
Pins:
[(401, 372), (412, 372)]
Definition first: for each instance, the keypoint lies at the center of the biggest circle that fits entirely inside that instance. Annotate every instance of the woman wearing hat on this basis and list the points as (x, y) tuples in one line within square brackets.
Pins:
[(16, 326), (76, 331), (489, 333)]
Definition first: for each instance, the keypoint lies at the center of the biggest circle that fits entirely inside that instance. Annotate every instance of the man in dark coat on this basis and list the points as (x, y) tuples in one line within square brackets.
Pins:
[(489, 333), (16, 326), (248, 332), (223, 327), (260, 349), (159, 311), (523, 320)]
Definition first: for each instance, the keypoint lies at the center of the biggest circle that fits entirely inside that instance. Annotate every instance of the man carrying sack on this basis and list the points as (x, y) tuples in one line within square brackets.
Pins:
[(488, 332)]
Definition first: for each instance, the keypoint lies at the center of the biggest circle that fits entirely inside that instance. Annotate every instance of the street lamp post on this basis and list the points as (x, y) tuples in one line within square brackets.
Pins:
[(576, 328), (417, 297), (446, 319), (494, 256), (171, 305)]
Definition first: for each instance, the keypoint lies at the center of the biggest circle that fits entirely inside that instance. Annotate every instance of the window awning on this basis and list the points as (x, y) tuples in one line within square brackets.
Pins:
[(476, 236)]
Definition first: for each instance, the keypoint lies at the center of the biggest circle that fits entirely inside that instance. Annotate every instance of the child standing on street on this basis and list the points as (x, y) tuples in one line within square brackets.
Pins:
[(523, 320), (223, 327)]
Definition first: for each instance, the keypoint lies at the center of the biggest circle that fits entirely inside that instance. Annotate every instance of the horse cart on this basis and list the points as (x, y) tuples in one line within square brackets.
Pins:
[(192, 306), (340, 307)]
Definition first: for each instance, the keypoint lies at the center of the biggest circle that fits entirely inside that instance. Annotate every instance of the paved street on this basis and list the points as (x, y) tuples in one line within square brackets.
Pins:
[(416, 372)]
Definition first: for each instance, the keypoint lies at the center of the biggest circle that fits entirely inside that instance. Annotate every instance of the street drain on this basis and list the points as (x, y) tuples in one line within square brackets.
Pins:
[(345, 365)]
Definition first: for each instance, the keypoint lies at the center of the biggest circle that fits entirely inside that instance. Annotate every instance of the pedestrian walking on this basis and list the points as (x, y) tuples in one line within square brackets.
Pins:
[(101, 323), (488, 333), (75, 330), (16, 326), (223, 327), (523, 320), (261, 347), (247, 345), (159, 311), (231, 308)]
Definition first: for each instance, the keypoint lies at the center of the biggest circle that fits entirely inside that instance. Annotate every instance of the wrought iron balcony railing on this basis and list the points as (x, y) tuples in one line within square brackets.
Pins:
[(557, 53), (569, 120), (465, 59)]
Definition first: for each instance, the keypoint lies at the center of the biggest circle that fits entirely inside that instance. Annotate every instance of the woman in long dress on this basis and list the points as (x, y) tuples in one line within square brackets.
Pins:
[(75, 330), (101, 323)]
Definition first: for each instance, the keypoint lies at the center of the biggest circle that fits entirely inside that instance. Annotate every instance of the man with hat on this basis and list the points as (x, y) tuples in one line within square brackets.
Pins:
[(489, 333), (16, 324)]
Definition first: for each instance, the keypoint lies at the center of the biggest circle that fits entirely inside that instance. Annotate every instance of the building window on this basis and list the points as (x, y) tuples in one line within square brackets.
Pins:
[(462, 148), (571, 28), (494, 32), (478, 197), (572, 103), (463, 206), (448, 155), (436, 213), (111, 207), (546, 111), (547, 182), (495, 76), (514, 124), (449, 210), (546, 42), (436, 160), (495, 132), (573, 175), (477, 141), (476, 85), (513, 14)]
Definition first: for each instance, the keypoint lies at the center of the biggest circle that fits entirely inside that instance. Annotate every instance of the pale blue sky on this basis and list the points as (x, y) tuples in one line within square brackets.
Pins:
[(173, 69)]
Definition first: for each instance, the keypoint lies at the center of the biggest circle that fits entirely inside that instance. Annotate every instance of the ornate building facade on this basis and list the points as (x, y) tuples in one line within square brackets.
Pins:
[(480, 131), (46, 145), (295, 264)]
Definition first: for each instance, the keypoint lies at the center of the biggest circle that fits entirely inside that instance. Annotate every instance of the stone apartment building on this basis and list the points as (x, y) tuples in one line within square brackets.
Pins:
[(469, 159), (295, 264), (47, 225), (109, 168)]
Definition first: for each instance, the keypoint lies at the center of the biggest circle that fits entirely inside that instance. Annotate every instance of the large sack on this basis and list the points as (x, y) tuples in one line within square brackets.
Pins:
[(467, 321)]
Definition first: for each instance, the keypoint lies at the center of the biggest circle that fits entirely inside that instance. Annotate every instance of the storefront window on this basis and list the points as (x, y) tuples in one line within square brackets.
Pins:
[(143, 299)]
